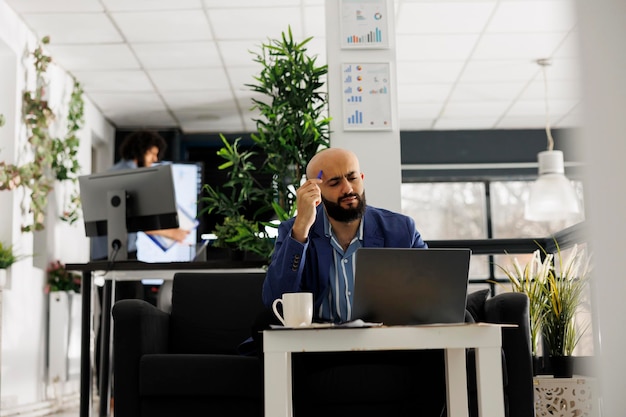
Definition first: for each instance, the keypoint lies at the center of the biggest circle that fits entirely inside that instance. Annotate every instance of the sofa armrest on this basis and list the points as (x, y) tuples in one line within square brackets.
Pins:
[(139, 329), (512, 308)]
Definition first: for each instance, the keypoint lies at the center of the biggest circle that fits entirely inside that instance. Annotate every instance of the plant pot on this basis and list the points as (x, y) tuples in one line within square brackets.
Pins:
[(562, 366), (537, 365)]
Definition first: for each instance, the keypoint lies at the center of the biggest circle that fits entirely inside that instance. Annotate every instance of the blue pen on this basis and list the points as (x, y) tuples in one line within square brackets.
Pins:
[(319, 176)]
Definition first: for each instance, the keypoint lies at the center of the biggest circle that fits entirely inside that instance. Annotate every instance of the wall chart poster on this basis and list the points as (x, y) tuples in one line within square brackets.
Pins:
[(364, 24), (366, 96)]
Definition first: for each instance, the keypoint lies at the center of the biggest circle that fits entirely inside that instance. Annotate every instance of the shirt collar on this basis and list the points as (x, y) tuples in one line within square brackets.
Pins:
[(328, 230)]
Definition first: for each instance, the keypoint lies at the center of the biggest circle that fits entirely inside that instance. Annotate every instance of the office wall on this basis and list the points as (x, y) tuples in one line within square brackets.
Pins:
[(23, 305)]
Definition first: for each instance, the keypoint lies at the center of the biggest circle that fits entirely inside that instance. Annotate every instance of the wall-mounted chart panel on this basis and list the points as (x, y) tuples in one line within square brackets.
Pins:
[(364, 24), (366, 96)]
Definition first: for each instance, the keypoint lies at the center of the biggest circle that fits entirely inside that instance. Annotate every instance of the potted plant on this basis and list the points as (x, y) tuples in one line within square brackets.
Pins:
[(564, 289), (60, 279), (7, 258), (531, 280), (291, 129)]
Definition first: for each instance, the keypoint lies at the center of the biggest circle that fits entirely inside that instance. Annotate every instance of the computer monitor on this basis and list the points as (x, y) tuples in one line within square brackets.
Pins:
[(131, 200)]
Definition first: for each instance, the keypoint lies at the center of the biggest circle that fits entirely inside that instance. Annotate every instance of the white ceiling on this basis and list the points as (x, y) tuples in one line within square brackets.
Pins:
[(462, 64)]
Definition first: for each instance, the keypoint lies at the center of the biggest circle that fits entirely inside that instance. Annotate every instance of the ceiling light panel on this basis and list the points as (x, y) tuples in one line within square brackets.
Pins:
[(152, 5), (218, 4), (434, 47), (529, 46), (86, 27), (533, 16), (428, 72), (213, 100), (94, 57), (424, 93), (114, 81), (54, 6), (163, 26), (177, 54), (118, 104), (492, 91), (189, 79), (444, 17), (498, 70), (255, 23)]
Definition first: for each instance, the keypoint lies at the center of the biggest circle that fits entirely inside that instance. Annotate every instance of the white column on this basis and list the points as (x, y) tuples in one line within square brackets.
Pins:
[(603, 58), (378, 151)]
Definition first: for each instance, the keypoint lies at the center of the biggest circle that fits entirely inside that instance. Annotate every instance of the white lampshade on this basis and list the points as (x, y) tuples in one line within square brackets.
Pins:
[(552, 196)]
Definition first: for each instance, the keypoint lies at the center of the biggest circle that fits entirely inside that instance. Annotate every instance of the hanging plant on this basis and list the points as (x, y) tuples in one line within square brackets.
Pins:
[(65, 163), (50, 158)]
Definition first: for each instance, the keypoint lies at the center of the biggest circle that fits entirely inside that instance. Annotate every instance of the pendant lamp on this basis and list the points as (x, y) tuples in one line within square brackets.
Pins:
[(552, 196)]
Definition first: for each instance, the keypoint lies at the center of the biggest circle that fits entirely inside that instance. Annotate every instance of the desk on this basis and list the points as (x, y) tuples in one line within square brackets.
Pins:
[(124, 270), (485, 338)]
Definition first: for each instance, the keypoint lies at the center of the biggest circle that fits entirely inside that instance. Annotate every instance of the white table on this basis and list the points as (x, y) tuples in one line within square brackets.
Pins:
[(485, 338)]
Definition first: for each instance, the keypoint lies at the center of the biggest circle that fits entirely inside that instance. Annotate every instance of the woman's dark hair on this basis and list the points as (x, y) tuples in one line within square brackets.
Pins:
[(135, 145)]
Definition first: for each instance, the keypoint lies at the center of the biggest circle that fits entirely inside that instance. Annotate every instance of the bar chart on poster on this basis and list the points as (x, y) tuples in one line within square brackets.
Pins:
[(364, 24), (366, 96)]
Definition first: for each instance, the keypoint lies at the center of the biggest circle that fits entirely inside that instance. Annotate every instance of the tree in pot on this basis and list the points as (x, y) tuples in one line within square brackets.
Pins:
[(531, 280), (293, 127), (564, 291)]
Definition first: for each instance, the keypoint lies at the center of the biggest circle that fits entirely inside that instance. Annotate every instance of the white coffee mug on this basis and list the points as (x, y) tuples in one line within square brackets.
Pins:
[(297, 309)]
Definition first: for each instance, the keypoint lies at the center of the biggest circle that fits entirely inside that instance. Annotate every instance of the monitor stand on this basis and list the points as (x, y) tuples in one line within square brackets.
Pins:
[(116, 225)]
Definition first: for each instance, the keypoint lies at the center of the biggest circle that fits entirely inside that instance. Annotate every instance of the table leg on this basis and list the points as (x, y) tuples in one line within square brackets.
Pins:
[(489, 382), (456, 383), (105, 343), (85, 346), (278, 401)]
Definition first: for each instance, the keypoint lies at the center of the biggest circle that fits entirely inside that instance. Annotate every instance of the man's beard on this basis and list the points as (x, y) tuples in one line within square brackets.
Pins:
[(345, 215)]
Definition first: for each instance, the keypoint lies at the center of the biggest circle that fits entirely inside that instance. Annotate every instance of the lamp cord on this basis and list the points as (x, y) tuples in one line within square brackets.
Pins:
[(543, 63)]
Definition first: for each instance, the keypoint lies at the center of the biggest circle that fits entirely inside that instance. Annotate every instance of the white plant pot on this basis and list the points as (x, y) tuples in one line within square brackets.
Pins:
[(5, 279), (64, 336)]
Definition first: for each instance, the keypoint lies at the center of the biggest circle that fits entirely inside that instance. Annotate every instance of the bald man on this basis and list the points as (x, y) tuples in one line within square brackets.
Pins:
[(315, 251)]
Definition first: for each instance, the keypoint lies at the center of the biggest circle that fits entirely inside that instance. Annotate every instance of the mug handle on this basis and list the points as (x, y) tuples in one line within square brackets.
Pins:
[(274, 307)]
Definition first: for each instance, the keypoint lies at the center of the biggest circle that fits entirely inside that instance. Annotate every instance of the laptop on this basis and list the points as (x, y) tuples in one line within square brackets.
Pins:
[(397, 286)]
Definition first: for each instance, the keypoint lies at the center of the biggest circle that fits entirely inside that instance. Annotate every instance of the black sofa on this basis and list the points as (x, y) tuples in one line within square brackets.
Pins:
[(189, 362)]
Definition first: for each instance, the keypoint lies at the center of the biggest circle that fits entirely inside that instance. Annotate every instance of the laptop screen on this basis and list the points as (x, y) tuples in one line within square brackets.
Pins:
[(411, 286)]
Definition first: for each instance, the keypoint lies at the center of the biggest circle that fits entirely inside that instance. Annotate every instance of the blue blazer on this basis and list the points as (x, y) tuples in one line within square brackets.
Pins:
[(306, 267)]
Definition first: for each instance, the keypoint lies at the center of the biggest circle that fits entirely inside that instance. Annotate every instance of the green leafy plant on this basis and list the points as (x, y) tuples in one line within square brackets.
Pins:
[(293, 126), (564, 292), (241, 234), (532, 280), (60, 279), (8, 256), (291, 129), (48, 158)]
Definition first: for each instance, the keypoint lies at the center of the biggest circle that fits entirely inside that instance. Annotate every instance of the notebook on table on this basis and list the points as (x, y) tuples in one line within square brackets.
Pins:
[(397, 286)]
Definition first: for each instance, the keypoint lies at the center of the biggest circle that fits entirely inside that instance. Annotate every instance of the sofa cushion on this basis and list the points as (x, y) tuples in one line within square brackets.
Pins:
[(475, 304), (214, 313), (200, 375)]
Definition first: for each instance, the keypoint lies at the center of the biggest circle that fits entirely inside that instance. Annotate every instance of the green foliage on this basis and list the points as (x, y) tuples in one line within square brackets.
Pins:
[(292, 128), (7, 256), (555, 295), (564, 291), (241, 234), (49, 158), (531, 280)]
